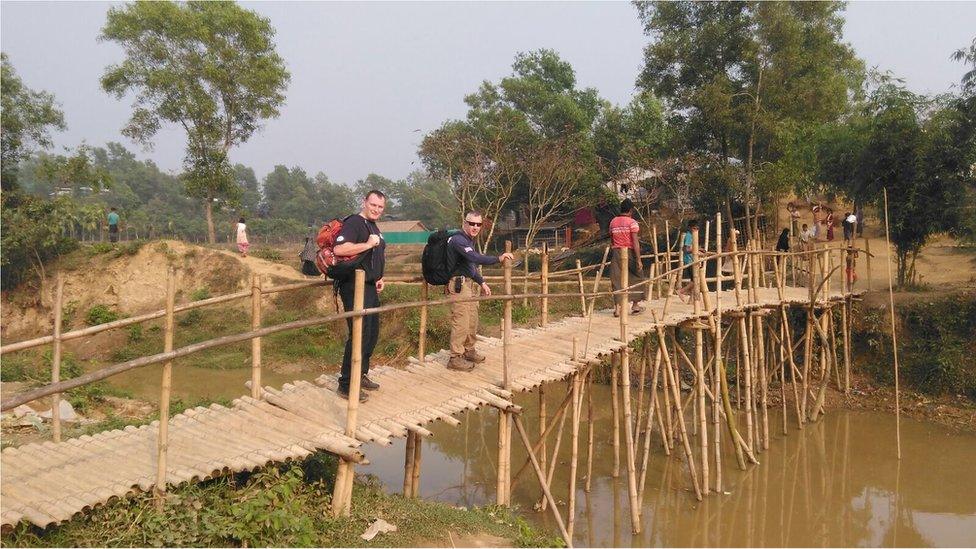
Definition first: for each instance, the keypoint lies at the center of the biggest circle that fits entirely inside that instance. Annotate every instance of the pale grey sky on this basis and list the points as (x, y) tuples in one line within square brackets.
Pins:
[(367, 76)]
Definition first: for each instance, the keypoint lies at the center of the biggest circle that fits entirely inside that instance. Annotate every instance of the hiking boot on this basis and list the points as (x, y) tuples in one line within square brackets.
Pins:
[(458, 363), (473, 356), (368, 384), (344, 393)]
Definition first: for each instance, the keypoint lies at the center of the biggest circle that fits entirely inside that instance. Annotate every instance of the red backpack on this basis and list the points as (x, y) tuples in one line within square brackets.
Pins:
[(331, 265)]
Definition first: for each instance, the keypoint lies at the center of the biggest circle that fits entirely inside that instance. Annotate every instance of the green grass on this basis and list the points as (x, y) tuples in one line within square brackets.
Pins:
[(286, 505)]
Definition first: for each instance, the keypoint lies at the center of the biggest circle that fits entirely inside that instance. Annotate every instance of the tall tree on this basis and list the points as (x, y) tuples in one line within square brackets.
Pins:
[(26, 119), (740, 74), (210, 67), (486, 156)]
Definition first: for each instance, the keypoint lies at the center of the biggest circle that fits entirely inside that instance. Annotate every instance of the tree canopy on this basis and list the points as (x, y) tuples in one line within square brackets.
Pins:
[(742, 77), (28, 117), (210, 67)]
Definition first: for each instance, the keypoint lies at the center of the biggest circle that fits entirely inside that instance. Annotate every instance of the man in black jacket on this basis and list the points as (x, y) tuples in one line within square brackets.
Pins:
[(360, 235), (465, 284)]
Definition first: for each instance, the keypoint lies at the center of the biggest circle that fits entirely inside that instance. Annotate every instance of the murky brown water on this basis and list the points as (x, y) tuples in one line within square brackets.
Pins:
[(192, 383), (836, 483)]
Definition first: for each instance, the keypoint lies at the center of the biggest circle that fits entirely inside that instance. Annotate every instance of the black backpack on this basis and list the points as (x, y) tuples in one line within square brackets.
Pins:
[(439, 261)]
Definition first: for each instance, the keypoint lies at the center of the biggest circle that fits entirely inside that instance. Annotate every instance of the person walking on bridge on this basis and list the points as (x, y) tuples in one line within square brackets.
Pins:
[(360, 235), (466, 284), (623, 234), (687, 258)]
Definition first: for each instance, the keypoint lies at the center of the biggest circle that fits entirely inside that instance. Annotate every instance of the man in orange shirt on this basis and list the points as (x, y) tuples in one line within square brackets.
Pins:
[(623, 234)]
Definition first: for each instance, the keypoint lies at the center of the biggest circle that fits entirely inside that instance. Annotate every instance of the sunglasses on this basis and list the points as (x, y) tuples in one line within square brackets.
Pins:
[(473, 224)]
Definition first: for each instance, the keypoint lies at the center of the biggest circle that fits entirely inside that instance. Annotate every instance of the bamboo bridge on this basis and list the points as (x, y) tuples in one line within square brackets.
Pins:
[(47, 483)]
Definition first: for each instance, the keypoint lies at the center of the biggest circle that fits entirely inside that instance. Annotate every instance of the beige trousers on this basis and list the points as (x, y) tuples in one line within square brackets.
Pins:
[(464, 317)]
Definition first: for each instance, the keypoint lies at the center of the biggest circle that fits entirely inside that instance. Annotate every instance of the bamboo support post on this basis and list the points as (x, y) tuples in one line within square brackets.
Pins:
[(716, 367), (542, 481), (545, 285), (582, 290), (408, 456), (698, 278), (867, 258), (574, 452), (162, 443), (342, 493), (543, 417), (56, 359), (415, 475), (422, 339), (589, 431), (614, 402), (894, 331), (845, 315), (256, 342), (656, 266), (504, 419), (625, 390)]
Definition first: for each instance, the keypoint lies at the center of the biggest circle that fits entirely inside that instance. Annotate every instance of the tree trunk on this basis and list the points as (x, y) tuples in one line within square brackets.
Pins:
[(208, 208)]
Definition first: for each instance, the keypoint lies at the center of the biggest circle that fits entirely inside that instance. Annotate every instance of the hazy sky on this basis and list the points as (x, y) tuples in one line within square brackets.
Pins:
[(369, 79)]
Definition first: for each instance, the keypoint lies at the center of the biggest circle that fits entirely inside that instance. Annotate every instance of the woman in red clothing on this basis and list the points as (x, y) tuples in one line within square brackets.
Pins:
[(623, 234)]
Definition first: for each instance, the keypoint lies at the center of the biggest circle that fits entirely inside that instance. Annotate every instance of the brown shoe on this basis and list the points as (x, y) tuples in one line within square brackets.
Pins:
[(458, 363), (473, 356)]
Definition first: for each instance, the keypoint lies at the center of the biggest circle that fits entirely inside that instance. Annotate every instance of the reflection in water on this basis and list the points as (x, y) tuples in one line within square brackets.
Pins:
[(835, 483)]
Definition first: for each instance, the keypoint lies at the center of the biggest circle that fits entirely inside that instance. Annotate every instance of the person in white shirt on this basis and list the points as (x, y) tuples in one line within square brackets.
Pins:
[(242, 243), (850, 224)]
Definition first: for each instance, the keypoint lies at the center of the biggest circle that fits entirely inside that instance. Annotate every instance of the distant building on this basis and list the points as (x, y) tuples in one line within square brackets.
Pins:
[(633, 183), (401, 226), (404, 232)]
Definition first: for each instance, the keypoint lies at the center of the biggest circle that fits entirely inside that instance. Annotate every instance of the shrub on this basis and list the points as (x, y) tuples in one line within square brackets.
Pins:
[(200, 294), (269, 254), (100, 314)]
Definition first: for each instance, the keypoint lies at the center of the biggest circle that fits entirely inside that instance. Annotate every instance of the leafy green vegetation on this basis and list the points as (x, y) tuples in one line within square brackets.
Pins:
[(101, 314), (935, 344), (286, 505)]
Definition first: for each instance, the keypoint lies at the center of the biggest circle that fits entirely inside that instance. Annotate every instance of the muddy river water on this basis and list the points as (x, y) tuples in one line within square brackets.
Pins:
[(835, 483)]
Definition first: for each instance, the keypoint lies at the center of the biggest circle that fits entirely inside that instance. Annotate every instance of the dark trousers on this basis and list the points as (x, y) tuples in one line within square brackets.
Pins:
[(371, 328)]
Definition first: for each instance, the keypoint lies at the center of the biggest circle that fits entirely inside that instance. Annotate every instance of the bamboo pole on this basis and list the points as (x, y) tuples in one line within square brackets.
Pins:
[(543, 412), (867, 253), (415, 477), (574, 453), (614, 402), (699, 364), (342, 494), (56, 359), (763, 378), (846, 337), (542, 481), (589, 431), (716, 367), (642, 377), (545, 284), (256, 342), (894, 334), (162, 444), (408, 457), (656, 266), (582, 290), (422, 339), (589, 312), (504, 420), (625, 390)]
